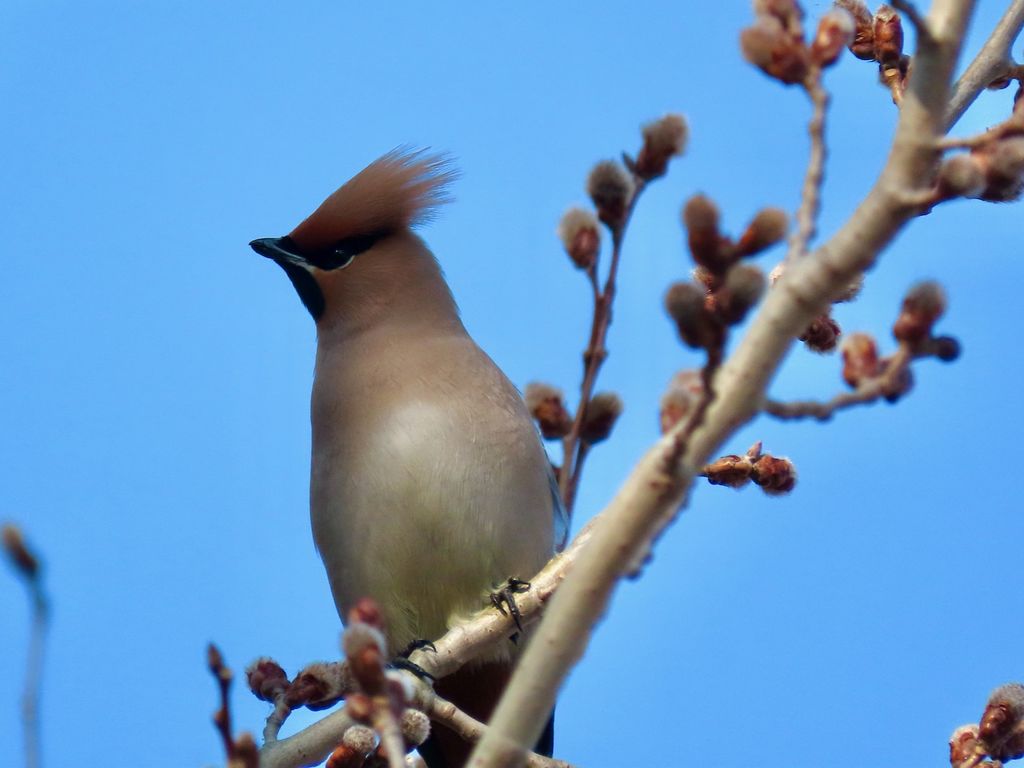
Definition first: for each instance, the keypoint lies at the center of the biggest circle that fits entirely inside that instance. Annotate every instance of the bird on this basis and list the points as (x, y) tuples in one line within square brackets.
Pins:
[(429, 484)]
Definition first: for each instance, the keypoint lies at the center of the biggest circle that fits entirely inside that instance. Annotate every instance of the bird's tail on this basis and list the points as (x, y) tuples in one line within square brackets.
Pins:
[(475, 690), (401, 189)]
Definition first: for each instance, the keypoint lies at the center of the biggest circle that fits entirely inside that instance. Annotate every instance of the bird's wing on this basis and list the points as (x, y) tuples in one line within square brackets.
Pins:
[(561, 517)]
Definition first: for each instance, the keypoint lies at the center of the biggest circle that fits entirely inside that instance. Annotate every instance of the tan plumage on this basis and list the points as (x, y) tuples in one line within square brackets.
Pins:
[(429, 485)]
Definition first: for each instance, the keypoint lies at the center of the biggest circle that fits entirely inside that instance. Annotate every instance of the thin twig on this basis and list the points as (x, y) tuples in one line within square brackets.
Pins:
[(867, 392), (387, 726), (810, 195), (310, 746), (276, 719), (574, 452), (992, 62), (26, 564)]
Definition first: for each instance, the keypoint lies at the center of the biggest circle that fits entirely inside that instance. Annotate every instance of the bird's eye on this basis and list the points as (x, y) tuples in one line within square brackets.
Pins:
[(339, 258)]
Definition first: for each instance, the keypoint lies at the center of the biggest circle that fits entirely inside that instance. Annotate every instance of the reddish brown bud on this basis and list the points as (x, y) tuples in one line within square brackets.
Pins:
[(775, 475), (768, 46), (963, 745), (732, 470), (246, 753), (26, 563), (602, 412), (611, 188), (547, 407), (922, 306), (743, 288), (580, 237), (836, 31), (863, 44), (697, 327), (316, 687), (822, 334), (366, 611), (1001, 720), (663, 139), (684, 392), (860, 359), (767, 228), (215, 663), (359, 706), (888, 36), (267, 680), (700, 217), (787, 12)]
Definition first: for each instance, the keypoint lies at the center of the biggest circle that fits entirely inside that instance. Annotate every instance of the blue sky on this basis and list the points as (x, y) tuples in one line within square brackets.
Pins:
[(154, 424)]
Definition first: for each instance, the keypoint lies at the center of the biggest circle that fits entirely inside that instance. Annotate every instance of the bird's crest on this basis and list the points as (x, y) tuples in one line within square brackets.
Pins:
[(401, 189)]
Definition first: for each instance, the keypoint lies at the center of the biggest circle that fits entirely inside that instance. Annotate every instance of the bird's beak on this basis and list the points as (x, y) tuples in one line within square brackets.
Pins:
[(276, 248)]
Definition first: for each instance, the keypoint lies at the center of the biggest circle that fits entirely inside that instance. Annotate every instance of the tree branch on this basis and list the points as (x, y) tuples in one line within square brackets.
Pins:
[(651, 496)]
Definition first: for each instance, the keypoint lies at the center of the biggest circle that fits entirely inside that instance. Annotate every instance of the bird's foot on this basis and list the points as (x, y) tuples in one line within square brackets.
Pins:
[(400, 662), (416, 645), (506, 596)]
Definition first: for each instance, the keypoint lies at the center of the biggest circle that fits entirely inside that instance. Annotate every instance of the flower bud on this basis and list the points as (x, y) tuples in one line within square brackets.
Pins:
[(922, 306), (744, 286), (26, 563), (888, 36), (547, 407), (602, 412), (580, 237), (355, 745), (822, 334), (1003, 165), (267, 680), (767, 45), (836, 31), (776, 475), (732, 470), (863, 44), (700, 217), (961, 176), (684, 391), (611, 188), (246, 753), (697, 327), (860, 359), (415, 727), (663, 139), (946, 348), (963, 745), (767, 228), (317, 686), (787, 12), (1002, 716)]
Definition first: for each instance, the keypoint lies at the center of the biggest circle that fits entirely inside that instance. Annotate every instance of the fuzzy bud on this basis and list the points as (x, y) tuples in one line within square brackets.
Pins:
[(963, 745), (732, 471), (602, 412), (961, 176), (775, 475), (359, 706), (922, 306), (767, 228), (246, 753), (1003, 165), (415, 727), (548, 409), (863, 43), (267, 680), (611, 188), (744, 286), (26, 563), (366, 611), (358, 637), (822, 334), (888, 36), (317, 686), (1001, 720), (580, 237), (663, 139), (836, 31), (697, 327), (355, 745), (684, 392), (860, 359), (768, 46), (787, 12), (700, 217)]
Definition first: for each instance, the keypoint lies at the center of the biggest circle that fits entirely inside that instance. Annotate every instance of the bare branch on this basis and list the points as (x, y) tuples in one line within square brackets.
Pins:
[(308, 747), (650, 498), (810, 196), (993, 61)]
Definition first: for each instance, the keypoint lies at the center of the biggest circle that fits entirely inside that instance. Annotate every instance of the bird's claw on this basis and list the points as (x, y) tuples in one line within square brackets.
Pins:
[(403, 663), (507, 596)]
